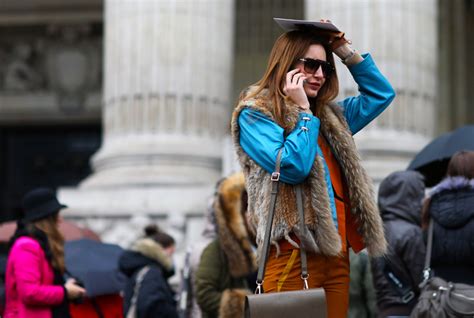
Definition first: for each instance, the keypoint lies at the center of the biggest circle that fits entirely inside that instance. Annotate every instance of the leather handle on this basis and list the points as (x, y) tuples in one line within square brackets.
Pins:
[(304, 262)]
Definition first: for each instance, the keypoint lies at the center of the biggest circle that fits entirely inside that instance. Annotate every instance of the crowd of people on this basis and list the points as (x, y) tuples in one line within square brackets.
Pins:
[(288, 131)]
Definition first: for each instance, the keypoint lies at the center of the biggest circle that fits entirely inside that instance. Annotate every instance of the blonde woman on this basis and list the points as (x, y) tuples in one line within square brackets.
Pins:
[(34, 281)]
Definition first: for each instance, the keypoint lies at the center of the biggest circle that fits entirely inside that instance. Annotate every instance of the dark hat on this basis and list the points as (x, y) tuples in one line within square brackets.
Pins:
[(305, 25), (40, 203)]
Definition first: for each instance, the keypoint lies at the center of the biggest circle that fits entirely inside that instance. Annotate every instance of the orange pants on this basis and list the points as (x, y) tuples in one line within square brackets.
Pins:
[(331, 273)]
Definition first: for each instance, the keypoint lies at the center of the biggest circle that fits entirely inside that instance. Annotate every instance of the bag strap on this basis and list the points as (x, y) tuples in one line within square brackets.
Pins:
[(185, 293), (132, 311), (275, 178), (429, 247), (304, 262)]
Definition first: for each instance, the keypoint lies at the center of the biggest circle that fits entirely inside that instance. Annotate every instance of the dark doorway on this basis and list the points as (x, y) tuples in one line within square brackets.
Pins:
[(42, 156)]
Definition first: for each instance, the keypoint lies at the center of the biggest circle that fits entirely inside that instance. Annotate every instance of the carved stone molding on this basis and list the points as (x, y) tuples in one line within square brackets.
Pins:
[(58, 66), (154, 113), (73, 65)]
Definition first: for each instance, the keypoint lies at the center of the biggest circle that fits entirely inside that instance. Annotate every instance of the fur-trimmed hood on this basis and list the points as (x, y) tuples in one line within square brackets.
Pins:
[(323, 236), (152, 249), (234, 239), (144, 252), (451, 202), (452, 184)]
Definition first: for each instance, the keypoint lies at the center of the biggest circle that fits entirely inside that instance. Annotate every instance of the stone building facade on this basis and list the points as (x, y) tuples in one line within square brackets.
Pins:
[(156, 81)]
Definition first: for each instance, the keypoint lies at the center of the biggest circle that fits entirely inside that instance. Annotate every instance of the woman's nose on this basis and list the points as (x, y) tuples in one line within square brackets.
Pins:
[(319, 72)]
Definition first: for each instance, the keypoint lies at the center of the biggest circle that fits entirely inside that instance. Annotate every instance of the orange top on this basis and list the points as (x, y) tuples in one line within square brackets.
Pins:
[(347, 223)]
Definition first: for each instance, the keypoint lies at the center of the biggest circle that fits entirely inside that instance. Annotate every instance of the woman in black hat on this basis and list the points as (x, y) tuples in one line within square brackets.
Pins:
[(35, 286)]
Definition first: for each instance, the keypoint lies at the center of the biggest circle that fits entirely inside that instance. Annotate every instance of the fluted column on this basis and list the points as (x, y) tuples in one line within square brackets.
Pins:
[(167, 75), (166, 87), (402, 37)]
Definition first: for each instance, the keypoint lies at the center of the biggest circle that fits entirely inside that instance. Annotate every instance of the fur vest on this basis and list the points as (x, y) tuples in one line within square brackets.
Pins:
[(321, 235)]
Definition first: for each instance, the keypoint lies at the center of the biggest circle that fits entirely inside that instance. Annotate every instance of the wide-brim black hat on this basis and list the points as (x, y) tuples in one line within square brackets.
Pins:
[(39, 204)]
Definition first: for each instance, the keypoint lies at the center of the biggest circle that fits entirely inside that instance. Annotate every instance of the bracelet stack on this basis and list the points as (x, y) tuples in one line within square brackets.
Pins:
[(346, 58)]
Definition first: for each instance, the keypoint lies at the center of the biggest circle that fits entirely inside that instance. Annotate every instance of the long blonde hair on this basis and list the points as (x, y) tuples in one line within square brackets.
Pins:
[(288, 48), (49, 226)]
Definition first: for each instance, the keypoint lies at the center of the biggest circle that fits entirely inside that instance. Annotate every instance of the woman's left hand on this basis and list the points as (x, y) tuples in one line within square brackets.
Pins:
[(73, 290), (335, 39)]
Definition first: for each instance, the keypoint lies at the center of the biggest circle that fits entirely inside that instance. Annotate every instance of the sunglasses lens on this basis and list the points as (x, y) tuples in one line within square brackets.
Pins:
[(311, 66), (327, 69)]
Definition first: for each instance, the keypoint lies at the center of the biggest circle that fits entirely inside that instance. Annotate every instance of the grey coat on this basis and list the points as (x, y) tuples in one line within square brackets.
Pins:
[(400, 201)]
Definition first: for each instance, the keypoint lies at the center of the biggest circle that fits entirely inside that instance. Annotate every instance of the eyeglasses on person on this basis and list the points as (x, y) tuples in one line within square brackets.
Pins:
[(311, 66)]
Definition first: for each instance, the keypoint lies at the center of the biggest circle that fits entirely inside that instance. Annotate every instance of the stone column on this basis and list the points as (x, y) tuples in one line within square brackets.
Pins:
[(167, 76), (402, 37)]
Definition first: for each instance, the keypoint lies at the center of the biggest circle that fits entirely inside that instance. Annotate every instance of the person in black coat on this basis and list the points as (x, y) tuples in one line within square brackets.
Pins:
[(155, 297), (451, 206), (400, 201)]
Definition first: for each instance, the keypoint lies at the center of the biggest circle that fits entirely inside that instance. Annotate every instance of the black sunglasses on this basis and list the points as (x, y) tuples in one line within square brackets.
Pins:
[(311, 66)]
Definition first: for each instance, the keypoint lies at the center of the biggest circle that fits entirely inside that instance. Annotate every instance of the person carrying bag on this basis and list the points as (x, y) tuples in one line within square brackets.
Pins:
[(132, 311), (439, 298), (292, 108), (448, 215)]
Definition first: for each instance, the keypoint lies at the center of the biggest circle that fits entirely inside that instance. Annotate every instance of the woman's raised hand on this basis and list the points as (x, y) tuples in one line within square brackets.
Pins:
[(294, 88), (335, 39), (73, 290)]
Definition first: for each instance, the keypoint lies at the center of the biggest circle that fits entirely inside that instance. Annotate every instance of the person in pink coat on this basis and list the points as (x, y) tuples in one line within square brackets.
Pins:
[(34, 280)]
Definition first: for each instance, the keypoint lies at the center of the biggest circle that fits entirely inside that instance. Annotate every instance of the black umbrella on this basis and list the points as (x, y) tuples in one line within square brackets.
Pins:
[(95, 264), (432, 161)]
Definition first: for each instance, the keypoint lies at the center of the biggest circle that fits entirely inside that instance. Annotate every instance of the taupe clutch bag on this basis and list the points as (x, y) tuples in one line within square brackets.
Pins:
[(306, 303), (309, 303)]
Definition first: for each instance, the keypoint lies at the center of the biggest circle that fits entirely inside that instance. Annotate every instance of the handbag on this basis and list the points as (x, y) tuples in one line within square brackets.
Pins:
[(306, 303), (439, 298), (132, 311)]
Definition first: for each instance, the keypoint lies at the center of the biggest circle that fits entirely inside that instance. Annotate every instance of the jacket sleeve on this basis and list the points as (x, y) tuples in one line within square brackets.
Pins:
[(31, 291), (261, 138), (155, 298), (375, 96), (413, 251), (208, 294)]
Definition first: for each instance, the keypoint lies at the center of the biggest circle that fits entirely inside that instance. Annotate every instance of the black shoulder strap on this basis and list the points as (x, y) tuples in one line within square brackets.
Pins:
[(429, 247)]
